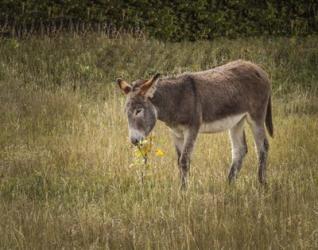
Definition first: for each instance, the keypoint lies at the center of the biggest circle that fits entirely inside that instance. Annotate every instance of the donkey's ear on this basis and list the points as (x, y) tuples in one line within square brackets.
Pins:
[(124, 86), (149, 87)]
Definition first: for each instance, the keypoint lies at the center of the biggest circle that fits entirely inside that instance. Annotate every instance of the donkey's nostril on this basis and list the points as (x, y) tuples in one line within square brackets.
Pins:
[(134, 141)]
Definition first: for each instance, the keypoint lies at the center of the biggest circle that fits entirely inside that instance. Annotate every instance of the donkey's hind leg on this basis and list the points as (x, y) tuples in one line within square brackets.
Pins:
[(239, 148), (262, 146)]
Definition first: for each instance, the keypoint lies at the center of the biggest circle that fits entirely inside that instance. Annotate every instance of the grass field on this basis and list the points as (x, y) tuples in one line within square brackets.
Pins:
[(66, 173)]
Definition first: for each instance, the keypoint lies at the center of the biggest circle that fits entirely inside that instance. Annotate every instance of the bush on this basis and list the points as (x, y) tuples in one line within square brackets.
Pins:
[(166, 20)]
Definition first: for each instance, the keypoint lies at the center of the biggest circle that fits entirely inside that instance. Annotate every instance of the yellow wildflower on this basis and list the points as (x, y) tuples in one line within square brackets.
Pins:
[(159, 152)]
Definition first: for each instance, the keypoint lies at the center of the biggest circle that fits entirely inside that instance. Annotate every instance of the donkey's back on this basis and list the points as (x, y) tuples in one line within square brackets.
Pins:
[(239, 87)]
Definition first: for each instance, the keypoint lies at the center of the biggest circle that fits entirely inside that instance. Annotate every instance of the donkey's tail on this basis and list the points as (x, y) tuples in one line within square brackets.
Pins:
[(269, 119)]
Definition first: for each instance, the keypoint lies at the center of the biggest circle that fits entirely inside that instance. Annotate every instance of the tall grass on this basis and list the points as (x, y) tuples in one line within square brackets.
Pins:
[(94, 61), (66, 178)]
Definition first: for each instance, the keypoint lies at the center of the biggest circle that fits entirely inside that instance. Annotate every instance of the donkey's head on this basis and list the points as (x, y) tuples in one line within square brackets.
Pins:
[(141, 113)]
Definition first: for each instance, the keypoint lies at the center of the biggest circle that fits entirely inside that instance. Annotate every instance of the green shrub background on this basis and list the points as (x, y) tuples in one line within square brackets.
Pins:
[(167, 20)]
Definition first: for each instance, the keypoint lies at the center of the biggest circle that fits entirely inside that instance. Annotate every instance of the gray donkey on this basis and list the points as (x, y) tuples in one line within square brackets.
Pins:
[(209, 101)]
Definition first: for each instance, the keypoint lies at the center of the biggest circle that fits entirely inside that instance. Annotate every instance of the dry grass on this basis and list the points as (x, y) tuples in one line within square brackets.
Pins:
[(66, 179)]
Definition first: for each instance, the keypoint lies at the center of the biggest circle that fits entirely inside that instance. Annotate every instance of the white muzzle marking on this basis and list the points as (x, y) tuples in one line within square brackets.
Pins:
[(135, 135)]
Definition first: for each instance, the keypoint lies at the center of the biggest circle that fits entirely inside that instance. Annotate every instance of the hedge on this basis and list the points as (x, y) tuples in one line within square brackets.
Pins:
[(166, 20)]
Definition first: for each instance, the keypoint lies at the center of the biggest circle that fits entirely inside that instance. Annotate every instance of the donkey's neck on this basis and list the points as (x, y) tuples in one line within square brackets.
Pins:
[(166, 102)]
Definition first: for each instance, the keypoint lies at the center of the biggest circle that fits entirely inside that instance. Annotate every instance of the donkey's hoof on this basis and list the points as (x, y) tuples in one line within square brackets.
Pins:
[(183, 186), (232, 176)]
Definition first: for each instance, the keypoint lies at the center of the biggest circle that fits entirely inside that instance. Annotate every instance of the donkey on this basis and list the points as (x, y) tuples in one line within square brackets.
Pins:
[(209, 101)]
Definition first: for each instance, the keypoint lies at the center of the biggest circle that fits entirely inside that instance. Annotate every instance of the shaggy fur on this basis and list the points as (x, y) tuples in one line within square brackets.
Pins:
[(218, 98)]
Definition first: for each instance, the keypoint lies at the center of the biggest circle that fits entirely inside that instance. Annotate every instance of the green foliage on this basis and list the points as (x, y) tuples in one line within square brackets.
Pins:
[(168, 20)]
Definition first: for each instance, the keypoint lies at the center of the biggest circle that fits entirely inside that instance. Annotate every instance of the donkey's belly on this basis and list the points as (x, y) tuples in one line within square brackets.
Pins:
[(221, 125)]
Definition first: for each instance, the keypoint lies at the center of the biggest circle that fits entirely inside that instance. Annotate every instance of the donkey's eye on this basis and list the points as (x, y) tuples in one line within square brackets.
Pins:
[(138, 111)]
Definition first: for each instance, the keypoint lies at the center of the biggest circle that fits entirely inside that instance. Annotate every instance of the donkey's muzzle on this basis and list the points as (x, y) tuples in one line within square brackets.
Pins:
[(135, 136), (135, 141)]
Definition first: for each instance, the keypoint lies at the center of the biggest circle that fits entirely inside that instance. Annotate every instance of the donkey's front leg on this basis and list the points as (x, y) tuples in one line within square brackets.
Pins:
[(190, 135), (178, 140)]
